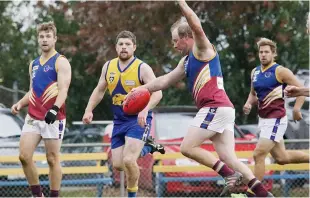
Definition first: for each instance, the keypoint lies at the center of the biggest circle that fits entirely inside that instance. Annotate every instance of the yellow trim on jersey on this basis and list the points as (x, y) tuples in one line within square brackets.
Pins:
[(203, 77), (129, 79), (264, 69), (50, 92), (273, 95), (31, 98), (277, 75), (207, 60), (43, 61), (56, 65)]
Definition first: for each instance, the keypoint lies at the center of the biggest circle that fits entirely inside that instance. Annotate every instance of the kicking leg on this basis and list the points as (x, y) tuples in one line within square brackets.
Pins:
[(224, 145)]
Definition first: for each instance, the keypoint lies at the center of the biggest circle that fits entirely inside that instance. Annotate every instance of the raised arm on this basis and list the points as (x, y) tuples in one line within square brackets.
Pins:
[(202, 43), (167, 80)]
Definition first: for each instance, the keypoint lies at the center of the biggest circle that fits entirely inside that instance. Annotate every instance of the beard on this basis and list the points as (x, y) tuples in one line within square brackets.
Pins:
[(124, 56), (46, 48), (266, 62)]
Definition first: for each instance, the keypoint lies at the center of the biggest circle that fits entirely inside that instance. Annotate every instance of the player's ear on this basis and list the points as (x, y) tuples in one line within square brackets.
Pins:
[(134, 47)]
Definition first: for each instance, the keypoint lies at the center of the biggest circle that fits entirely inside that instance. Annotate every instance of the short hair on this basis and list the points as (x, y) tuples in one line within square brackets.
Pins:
[(265, 41), (177, 23), (184, 30), (127, 34), (47, 26)]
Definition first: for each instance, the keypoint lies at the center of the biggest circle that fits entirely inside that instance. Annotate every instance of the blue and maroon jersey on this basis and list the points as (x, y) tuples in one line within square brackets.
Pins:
[(269, 90), (205, 81), (44, 89)]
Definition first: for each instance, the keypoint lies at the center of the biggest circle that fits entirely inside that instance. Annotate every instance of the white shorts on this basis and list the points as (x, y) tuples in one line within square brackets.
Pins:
[(47, 131), (272, 128), (215, 119)]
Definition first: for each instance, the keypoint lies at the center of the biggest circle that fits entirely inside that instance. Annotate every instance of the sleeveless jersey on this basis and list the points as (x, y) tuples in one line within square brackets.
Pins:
[(205, 82), (120, 84), (269, 91), (44, 89)]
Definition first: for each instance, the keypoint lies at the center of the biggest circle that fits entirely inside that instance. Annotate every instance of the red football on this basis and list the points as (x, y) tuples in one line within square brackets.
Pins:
[(136, 101)]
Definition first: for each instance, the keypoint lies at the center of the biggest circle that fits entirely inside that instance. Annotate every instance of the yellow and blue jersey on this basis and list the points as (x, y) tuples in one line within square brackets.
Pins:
[(269, 89), (120, 84)]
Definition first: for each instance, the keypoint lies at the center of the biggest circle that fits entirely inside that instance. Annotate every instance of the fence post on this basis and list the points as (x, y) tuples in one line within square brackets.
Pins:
[(122, 183)]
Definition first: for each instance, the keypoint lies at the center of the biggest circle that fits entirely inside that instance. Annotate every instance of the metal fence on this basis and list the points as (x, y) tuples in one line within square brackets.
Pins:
[(110, 183)]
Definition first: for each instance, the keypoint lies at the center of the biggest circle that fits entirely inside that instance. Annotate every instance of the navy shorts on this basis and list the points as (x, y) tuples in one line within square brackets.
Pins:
[(130, 129)]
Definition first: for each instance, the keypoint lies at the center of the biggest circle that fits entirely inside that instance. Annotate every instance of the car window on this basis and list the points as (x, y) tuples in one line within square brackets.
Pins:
[(172, 125), (9, 127)]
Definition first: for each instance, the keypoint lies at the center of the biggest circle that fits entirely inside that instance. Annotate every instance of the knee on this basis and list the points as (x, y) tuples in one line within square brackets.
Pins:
[(52, 158), (281, 160), (185, 150), (25, 158), (129, 161), (259, 155), (118, 166)]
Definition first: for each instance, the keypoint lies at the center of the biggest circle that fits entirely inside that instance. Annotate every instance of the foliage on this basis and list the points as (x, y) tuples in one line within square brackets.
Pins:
[(87, 32)]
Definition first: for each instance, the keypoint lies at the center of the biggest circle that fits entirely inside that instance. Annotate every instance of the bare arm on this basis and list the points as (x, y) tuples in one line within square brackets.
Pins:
[(167, 80), (147, 75), (99, 91), (287, 76), (25, 100), (63, 80), (252, 98), (202, 46)]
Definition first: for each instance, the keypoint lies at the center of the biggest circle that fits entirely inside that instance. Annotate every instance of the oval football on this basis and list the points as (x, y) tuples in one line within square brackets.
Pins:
[(136, 101)]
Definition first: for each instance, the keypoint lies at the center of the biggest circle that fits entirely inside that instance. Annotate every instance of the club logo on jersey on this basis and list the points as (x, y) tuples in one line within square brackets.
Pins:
[(186, 64), (112, 76), (130, 82), (36, 67), (47, 68), (255, 76), (268, 74)]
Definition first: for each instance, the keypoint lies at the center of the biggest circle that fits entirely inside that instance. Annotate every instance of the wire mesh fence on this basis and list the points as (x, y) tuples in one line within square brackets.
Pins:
[(111, 183)]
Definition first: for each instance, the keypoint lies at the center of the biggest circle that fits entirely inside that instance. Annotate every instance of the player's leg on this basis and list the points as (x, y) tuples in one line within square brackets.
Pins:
[(282, 156), (131, 153), (224, 145), (117, 146), (271, 131), (29, 140), (52, 135), (135, 139)]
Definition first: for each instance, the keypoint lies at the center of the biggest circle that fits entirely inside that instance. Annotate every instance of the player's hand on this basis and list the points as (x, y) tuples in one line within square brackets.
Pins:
[(88, 117), (247, 108), (291, 91), (297, 115), (16, 108), (51, 115), (142, 117)]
